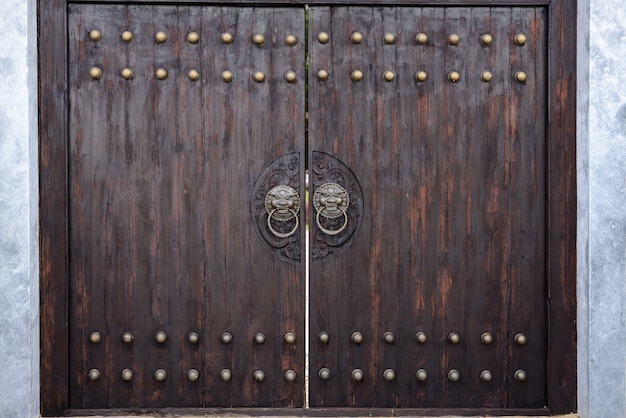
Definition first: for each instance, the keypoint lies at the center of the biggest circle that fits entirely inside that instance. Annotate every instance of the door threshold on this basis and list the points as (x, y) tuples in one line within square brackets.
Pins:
[(314, 412)]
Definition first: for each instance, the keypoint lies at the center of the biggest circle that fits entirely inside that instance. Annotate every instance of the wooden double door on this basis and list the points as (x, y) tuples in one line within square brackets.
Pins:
[(321, 206)]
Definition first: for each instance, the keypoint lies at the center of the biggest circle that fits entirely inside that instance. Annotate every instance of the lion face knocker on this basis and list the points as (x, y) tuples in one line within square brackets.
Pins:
[(282, 204), (331, 202)]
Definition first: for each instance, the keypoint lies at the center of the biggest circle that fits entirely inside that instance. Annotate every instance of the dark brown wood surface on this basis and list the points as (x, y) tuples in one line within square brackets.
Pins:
[(61, 344), (454, 225), (161, 175)]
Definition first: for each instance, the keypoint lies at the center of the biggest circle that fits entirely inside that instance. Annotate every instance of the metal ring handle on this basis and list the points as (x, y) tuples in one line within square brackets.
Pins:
[(281, 234), (330, 231)]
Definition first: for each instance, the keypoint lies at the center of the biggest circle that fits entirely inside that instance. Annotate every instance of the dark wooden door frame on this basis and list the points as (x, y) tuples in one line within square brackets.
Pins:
[(561, 194)]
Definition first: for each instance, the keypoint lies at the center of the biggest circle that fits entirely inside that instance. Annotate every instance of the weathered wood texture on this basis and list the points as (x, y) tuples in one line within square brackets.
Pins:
[(161, 175), (146, 226), (454, 226)]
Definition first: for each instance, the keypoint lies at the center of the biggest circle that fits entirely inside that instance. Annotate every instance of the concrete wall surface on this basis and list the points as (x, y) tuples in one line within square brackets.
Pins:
[(19, 268), (601, 180)]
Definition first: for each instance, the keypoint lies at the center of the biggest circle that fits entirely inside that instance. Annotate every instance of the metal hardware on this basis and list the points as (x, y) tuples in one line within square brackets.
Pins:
[(160, 337), (290, 338), (161, 73), (486, 376), (322, 75), (389, 75), (324, 337), (356, 337), (127, 375), (420, 337), (357, 375), (331, 201), (95, 73), (453, 76), (421, 76), (258, 76), (282, 203), (323, 38), (421, 375), (226, 38), (160, 375), (454, 39), (193, 75), (421, 38), (290, 76), (356, 37), (127, 36), (454, 375), (226, 375), (486, 338), (324, 373), (258, 39), (193, 337), (94, 374), (389, 38), (259, 338), (259, 375), (520, 375), (95, 337), (520, 339), (520, 39), (193, 37), (389, 375), (227, 76), (357, 75), (291, 40), (128, 337), (520, 77), (160, 37), (193, 375), (388, 337), (454, 338), (486, 39), (290, 375), (95, 35), (226, 338), (486, 76), (127, 73)]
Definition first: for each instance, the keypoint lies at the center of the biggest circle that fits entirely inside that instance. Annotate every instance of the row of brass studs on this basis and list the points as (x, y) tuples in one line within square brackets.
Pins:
[(291, 77), (324, 373), (421, 76), (389, 375), (193, 375), (290, 337), (193, 74), (192, 37), (193, 337), (323, 38), (422, 38), (421, 338)]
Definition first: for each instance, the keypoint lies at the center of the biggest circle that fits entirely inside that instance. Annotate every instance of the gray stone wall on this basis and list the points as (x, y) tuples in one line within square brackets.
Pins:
[(602, 208), (19, 292), (601, 179)]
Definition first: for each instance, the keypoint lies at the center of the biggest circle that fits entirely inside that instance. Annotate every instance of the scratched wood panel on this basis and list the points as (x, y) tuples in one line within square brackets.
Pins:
[(161, 176), (453, 178)]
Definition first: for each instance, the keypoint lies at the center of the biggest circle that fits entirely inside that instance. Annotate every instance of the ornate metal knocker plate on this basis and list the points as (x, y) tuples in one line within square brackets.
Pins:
[(331, 201), (282, 203)]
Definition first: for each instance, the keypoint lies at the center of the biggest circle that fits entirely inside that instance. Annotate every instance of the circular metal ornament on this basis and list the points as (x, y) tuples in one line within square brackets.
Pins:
[(193, 37), (331, 202), (127, 36), (282, 203), (329, 199), (95, 35)]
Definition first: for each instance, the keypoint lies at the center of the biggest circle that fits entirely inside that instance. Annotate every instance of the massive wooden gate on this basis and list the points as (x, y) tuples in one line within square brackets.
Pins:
[(439, 148)]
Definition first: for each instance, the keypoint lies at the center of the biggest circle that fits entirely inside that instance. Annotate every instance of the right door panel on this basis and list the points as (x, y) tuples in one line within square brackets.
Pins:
[(437, 118)]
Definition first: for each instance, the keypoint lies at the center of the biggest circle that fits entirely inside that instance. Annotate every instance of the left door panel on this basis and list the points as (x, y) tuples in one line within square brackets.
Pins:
[(172, 113)]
